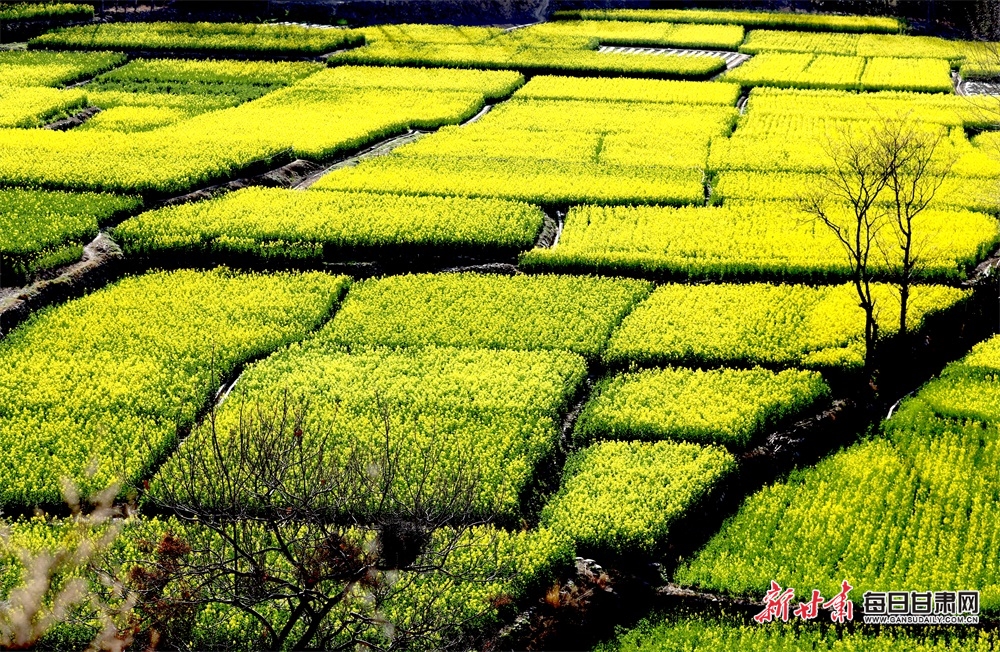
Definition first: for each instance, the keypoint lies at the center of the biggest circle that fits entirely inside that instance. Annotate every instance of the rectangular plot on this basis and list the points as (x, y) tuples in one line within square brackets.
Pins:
[(795, 70), (29, 68), (25, 107), (540, 182), (614, 117), (485, 139), (924, 75), (751, 240), (540, 60), (609, 32), (486, 311), (450, 415), (41, 229), (788, 325), (548, 87), (260, 39), (726, 406), (113, 376), (491, 84), (751, 186), (773, 19), (623, 497), (277, 224), (764, 40)]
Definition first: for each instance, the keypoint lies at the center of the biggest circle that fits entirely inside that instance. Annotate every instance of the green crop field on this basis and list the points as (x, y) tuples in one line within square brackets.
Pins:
[(616, 329)]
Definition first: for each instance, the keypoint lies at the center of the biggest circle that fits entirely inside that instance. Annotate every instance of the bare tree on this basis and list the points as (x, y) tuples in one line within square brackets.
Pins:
[(883, 175), (916, 168), (58, 583), (845, 200), (314, 547)]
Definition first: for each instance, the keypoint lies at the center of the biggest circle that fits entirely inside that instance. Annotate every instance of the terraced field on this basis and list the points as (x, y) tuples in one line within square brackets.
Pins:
[(460, 329)]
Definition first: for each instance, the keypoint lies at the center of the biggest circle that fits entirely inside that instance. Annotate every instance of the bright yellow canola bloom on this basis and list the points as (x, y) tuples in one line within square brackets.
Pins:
[(635, 33), (315, 120), (278, 223), (487, 416), (752, 239), (720, 406), (225, 37), (783, 19), (558, 152), (812, 327), (624, 89), (727, 634), (624, 496), (486, 562), (115, 374), (40, 68), (33, 106), (574, 313), (807, 70)]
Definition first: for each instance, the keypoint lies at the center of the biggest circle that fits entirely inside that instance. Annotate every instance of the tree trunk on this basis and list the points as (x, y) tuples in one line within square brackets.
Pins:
[(904, 300)]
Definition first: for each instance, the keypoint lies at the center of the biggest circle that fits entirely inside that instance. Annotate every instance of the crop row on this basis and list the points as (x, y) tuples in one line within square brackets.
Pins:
[(734, 635), (32, 106), (534, 60), (724, 406), (625, 496), (276, 224), (491, 85), (541, 182), (611, 117), (956, 193), (442, 414), (27, 68), (199, 37), (980, 70), (40, 229), (912, 508), (772, 19), (658, 34), (794, 70), (748, 240), (624, 89), (419, 33), (858, 45), (114, 375), (316, 121), (486, 562), (18, 11)]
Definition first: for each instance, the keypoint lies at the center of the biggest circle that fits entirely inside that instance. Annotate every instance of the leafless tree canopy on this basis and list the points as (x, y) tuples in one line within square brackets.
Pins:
[(313, 548), (882, 176), (56, 586)]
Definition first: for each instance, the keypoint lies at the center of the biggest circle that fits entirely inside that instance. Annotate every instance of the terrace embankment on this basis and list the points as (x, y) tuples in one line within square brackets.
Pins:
[(612, 590)]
